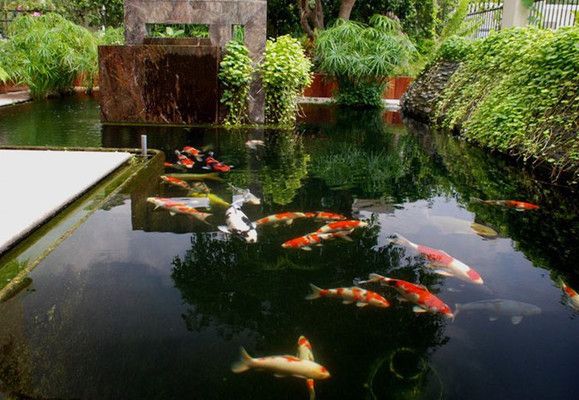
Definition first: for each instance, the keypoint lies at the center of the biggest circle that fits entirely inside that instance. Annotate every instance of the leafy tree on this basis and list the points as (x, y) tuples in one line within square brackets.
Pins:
[(90, 13)]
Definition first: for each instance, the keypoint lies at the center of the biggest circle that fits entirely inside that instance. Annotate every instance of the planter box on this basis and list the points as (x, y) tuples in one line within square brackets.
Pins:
[(324, 86)]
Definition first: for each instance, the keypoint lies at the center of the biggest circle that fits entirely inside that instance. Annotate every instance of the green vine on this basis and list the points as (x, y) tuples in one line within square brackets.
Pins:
[(517, 92), (285, 71), (236, 74)]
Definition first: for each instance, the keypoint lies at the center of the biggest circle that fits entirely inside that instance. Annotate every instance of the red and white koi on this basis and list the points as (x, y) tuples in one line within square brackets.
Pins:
[(416, 294), (162, 202), (314, 239), (191, 151), (171, 180), (305, 353), (184, 160), (516, 204), (326, 216), (361, 297), (444, 264), (217, 166), (572, 294), (174, 166), (339, 226), (285, 217), (177, 207), (281, 366)]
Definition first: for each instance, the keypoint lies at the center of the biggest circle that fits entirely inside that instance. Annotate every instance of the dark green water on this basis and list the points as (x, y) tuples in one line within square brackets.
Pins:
[(141, 305)]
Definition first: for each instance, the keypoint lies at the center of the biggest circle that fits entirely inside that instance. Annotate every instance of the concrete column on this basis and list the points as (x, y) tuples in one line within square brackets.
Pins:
[(515, 13)]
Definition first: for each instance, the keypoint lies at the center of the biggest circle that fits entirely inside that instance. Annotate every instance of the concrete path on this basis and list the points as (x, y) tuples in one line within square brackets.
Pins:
[(389, 104), (36, 185), (9, 99)]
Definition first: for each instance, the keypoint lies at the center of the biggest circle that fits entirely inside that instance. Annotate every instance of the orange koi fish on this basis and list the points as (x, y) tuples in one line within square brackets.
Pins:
[(164, 202), (443, 263), (174, 166), (361, 297), (305, 353), (281, 366), (286, 217), (189, 211), (417, 294), (184, 160), (327, 216), (342, 226), (171, 180), (517, 205), (572, 294), (192, 151), (217, 166), (314, 239)]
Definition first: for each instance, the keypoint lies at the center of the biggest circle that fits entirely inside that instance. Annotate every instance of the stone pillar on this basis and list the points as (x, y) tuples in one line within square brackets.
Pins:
[(515, 13), (255, 38)]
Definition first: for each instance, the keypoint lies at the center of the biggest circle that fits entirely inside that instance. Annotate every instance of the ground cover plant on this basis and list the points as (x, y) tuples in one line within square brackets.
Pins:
[(517, 92), (47, 53), (362, 57)]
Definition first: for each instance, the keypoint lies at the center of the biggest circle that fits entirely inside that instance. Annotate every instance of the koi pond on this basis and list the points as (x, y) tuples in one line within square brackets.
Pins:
[(140, 304)]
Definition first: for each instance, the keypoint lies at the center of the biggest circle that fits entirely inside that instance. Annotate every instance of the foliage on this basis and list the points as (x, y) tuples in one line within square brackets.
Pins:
[(48, 52), (517, 92), (285, 72), (4, 76), (362, 57), (236, 74), (30, 5), (455, 48), (111, 36), (178, 30), (89, 13)]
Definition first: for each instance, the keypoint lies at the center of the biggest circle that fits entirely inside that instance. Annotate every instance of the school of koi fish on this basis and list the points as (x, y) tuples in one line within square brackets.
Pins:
[(336, 226)]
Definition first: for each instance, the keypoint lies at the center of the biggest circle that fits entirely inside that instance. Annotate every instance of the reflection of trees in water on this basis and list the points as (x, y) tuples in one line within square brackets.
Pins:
[(284, 165), (233, 288)]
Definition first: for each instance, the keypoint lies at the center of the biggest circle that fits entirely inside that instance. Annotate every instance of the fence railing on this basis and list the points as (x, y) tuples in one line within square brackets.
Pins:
[(488, 15), (553, 14)]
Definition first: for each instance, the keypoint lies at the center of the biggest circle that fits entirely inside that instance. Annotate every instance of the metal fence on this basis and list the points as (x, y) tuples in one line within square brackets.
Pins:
[(487, 15), (553, 14)]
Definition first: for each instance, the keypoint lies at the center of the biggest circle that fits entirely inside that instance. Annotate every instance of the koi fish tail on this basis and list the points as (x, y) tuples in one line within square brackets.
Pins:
[(316, 293), (401, 240), (456, 310), (310, 383), (378, 278), (242, 365), (203, 217)]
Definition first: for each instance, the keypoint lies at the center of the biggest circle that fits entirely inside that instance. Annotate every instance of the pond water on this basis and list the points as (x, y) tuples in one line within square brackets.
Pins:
[(141, 305)]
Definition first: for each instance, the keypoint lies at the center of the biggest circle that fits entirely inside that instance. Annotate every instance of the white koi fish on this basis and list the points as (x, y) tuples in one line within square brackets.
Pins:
[(443, 263), (245, 195), (501, 308), (238, 223), (305, 353), (281, 366)]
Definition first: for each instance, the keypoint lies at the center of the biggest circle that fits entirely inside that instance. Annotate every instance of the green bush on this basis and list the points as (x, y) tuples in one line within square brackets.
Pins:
[(517, 92), (89, 13), (285, 72), (455, 48), (236, 74), (111, 36), (48, 52), (362, 57)]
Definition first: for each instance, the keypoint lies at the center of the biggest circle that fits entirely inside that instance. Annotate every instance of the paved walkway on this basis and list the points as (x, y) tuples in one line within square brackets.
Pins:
[(389, 104), (37, 184), (9, 99)]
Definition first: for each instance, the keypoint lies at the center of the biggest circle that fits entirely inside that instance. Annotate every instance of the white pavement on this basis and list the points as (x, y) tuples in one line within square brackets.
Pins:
[(12, 98), (36, 185)]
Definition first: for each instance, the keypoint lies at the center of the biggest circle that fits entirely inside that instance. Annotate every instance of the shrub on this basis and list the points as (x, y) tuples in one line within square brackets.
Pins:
[(111, 36), (236, 74), (48, 52), (455, 48), (362, 57), (285, 72), (517, 92)]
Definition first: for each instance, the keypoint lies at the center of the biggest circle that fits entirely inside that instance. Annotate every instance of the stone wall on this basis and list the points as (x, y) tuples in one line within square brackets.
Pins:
[(419, 101)]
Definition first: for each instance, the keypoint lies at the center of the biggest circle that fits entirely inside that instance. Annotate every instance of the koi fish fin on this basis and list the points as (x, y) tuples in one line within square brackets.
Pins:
[(202, 217), (402, 299), (360, 304), (401, 240), (280, 375), (345, 236), (493, 318), (378, 278), (156, 208), (418, 310), (243, 364), (289, 221), (442, 272), (456, 309), (206, 168), (516, 320), (310, 384), (315, 293), (224, 229), (347, 302), (171, 213), (306, 248)]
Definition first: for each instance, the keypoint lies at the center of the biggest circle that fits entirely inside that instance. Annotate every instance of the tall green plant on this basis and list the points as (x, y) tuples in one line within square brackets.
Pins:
[(48, 52), (285, 71), (362, 57), (236, 74)]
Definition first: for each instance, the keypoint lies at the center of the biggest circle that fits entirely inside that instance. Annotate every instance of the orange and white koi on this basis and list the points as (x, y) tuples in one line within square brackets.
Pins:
[(214, 165), (171, 180), (174, 166), (444, 264), (189, 211), (285, 217), (192, 151), (281, 366), (326, 216), (516, 204), (305, 353), (361, 297), (314, 239), (184, 160), (162, 202), (572, 294), (416, 294), (339, 226)]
